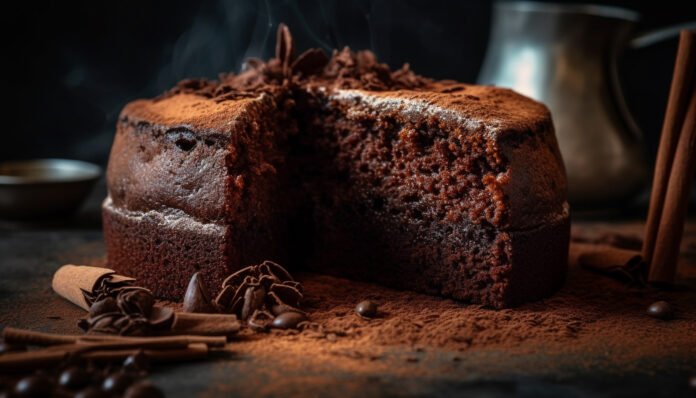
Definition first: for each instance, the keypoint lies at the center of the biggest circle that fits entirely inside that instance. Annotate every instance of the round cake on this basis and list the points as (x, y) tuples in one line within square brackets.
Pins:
[(340, 165)]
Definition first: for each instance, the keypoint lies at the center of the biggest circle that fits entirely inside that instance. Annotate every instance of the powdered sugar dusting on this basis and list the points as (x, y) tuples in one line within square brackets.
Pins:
[(173, 218), (414, 108)]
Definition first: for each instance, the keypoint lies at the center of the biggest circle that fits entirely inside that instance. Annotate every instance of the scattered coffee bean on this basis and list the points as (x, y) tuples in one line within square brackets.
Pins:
[(117, 383), (6, 348), (661, 310), (288, 320), (92, 392), (34, 386), (137, 363), (366, 309), (144, 389), (74, 378)]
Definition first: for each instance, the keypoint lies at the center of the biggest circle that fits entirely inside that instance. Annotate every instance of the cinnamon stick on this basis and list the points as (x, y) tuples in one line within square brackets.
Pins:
[(29, 337), (676, 109), (73, 281), (82, 347), (602, 257), (193, 351), (622, 264), (205, 324), (22, 361), (671, 226)]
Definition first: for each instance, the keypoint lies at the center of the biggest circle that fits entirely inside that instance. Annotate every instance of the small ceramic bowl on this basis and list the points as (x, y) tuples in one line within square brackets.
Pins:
[(31, 189)]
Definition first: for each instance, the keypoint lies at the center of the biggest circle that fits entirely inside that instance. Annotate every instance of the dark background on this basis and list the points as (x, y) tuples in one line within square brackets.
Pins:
[(74, 65)]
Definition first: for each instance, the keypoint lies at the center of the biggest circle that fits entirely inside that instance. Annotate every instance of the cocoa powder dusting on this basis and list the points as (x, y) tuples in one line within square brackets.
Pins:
[(594, 322)]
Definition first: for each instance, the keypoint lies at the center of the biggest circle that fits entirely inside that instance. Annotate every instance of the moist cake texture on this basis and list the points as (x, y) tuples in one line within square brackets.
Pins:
[(339, 165)]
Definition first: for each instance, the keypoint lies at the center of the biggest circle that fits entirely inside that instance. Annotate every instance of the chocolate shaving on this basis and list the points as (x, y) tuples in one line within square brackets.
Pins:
[(452, 89), (252, 64), (103, 306), (284, 49), (135, 300), (310, 62), (197, 298), (344, 69), (109, 287), (125, 310)]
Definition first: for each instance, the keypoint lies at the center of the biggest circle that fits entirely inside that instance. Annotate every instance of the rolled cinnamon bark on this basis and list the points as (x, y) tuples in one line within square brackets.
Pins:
[(76, 282), (602, 257)]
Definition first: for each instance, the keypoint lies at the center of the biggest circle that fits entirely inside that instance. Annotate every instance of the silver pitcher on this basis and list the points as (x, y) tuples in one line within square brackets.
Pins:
[(565, 56)]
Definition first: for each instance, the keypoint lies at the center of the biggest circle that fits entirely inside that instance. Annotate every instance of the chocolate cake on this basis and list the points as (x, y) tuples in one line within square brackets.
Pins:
[(340, 165)]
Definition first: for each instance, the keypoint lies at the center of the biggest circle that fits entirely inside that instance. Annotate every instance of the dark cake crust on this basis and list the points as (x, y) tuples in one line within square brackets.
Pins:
[(346, 168)]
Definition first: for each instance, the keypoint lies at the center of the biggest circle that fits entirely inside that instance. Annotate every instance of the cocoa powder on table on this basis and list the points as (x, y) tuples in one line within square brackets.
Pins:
[(591, 313), (593, 322)]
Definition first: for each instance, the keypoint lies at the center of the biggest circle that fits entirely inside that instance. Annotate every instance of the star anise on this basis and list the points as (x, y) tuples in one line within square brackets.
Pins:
[(260, 291)]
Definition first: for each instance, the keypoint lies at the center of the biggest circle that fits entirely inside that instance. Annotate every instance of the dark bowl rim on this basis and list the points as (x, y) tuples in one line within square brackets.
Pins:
[(83, 171)]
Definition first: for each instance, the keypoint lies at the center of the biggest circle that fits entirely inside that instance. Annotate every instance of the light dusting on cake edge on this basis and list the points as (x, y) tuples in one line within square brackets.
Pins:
[(174, 218), (415, 107)]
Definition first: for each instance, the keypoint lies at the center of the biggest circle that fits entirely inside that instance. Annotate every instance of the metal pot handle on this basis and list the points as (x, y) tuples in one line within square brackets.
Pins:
[(658, 35), (642, 40)]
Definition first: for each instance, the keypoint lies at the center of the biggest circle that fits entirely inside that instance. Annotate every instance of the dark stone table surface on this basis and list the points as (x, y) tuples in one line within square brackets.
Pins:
[(31, 252)]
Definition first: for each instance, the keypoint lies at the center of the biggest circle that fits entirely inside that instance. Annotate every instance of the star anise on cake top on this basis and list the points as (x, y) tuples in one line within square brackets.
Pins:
[(260, 293)]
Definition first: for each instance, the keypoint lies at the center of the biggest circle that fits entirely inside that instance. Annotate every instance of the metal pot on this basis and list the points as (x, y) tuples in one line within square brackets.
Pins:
[(565, 56)]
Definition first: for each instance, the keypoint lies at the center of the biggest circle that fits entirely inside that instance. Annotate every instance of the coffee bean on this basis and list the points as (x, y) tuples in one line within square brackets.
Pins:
[(144, 389), (34, 386), (92, 392), (74, 378), (288, 320), (7, 348), (117, 383), (138, 362), (661, 310), (366, 309)]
